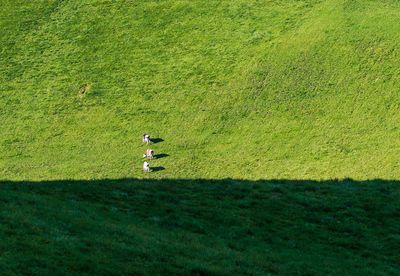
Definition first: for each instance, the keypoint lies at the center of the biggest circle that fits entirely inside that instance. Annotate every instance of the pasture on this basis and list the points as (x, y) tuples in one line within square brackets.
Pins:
[(277, 123)]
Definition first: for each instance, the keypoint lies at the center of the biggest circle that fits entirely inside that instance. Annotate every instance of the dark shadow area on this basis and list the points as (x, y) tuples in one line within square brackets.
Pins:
[(157, 169), (151, 226), (216, 187), (161, 155), (156, 140)]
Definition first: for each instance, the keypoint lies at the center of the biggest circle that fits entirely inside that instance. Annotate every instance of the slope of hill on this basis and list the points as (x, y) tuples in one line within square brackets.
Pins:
[(243, 89), (200, 227)]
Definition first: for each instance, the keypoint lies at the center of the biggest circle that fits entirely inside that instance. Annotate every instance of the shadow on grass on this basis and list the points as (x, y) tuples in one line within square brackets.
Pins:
[(219, 186), (156, 140), (161, 155), (157, 169), (298, 224)]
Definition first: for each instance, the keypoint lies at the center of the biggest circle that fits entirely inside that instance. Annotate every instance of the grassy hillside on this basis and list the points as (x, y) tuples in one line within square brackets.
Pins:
[(200, 227), (242, 89), (302, 91)]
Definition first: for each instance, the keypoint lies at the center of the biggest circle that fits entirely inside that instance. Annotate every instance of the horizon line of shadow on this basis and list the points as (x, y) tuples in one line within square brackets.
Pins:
[(202, 181)]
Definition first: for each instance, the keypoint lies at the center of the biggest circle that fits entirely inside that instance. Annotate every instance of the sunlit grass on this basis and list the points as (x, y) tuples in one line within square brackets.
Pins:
[(245, 89), (238, 89)]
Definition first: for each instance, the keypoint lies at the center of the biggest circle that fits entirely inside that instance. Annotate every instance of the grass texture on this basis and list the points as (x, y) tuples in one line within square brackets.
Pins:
[(259, 108), (241, 89)]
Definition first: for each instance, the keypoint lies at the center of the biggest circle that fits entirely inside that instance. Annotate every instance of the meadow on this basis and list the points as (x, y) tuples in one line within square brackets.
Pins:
[(200, 227), (262, 89), (271, 115)]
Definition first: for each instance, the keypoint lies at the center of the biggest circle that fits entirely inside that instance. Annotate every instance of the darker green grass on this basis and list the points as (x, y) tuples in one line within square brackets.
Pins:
[(301, 90), (200, 227)]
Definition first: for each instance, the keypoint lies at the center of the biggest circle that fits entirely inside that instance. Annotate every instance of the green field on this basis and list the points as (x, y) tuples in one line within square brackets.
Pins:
[(200, 227), (292, 94)]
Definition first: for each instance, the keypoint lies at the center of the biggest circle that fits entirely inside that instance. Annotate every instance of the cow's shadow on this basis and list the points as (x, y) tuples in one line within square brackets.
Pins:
[(156, 140), (161, 155), (157, 169)]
